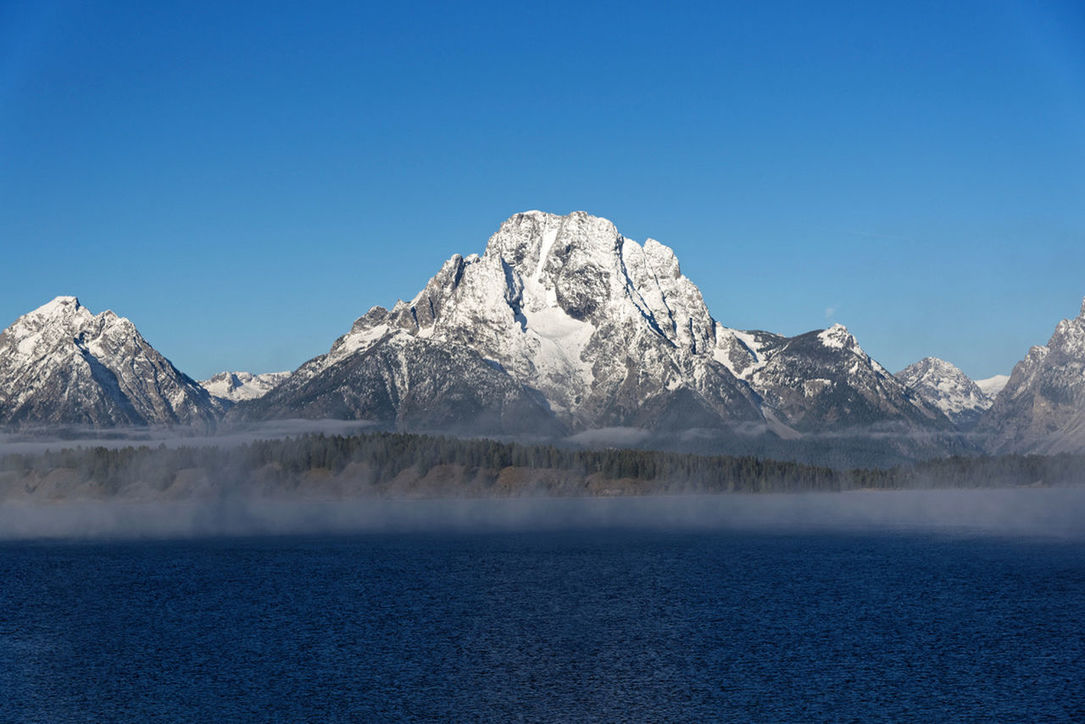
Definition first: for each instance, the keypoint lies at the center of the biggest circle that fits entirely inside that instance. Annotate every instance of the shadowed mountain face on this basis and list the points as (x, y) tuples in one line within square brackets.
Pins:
[(60, 364), (562, 323), (416, 385), (1042, 407)]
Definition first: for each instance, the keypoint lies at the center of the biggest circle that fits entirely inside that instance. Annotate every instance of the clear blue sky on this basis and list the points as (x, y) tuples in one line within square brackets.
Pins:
[(243, 181)]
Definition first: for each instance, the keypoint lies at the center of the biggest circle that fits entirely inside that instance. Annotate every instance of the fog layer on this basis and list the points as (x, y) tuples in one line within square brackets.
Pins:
[(1052, 512)]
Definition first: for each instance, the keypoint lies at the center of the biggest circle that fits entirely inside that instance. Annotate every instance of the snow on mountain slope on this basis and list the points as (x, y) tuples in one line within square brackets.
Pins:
[(238, 386), (991, 386), (1042, 407), (945, 386), (608, 332), (60, 364), (824, 380)]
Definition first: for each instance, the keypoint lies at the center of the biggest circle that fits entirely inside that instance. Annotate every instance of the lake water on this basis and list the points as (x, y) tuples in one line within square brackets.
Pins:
[(609, 623)]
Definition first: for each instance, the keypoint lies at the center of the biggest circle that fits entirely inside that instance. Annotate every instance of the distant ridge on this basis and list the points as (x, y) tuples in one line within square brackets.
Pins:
[(238, 386), (947, 388)]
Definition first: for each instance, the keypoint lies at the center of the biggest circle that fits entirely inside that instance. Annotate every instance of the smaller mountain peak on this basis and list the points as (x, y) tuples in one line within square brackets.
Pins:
[(991, 386), (938, 363), (64, 312), (837, 337), (1082, 314), (930, 366), (58, 306)]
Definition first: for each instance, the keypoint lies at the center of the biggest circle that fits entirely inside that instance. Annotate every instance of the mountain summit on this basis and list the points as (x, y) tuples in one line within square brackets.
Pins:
[(563, 323), (1042, 407), (61, 364), (948, 388)]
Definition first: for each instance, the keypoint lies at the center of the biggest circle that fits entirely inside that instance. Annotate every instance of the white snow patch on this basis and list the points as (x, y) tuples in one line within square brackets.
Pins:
[(993, 385), (547, 243), (238, 386), (837, 337), (362, 339), (720, 353), (562, 341)]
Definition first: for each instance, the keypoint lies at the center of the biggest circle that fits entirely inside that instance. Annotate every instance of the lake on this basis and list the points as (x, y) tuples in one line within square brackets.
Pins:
[(618, 620)]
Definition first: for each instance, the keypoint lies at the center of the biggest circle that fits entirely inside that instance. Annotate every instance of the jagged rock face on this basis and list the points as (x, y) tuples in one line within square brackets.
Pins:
[(947, 388), (821, 381), (60, 364), (1042, 407), (608, 332), (238, 386), (412, 384), (824, 381)]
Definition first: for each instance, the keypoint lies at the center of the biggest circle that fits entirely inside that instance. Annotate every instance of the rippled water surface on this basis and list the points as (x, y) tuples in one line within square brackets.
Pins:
[(618, 624)]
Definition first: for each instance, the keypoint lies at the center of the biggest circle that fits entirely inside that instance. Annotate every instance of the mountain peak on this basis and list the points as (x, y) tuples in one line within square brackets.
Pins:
[(537, 244), (62, 364), (1041, 407), (238, 386), (37, 330), (936, 363), (63, 306), (946, 387), (563, 317), (838, 337)]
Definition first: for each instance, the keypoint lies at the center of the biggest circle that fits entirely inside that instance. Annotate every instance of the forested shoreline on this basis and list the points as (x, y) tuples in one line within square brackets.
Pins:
[(385, 464)]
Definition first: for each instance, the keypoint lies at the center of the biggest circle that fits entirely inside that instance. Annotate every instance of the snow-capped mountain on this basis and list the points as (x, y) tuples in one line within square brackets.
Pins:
[(1042, 406), (947, 388), (564, 319), (61, 364), (991, 386), (238, 386), (823, 380)]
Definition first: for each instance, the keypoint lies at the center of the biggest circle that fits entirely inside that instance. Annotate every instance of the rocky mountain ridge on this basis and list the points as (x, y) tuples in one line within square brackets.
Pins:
[(561, 326), (946, 387), (603, 332), (1042, 407), (61, 364)]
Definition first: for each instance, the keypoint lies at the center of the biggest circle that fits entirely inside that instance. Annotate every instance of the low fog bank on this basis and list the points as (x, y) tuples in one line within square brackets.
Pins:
[(31, 441), (1046, 513), (860, 447)]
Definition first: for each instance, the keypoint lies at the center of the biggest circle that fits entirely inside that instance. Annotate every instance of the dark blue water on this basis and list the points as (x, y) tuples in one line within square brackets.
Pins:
[(611, 625)]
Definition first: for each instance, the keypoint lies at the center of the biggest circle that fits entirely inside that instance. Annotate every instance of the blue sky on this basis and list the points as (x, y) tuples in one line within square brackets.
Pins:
[(244, 181)]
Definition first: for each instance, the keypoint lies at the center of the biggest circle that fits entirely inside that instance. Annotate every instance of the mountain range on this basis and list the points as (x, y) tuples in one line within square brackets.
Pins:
[(561, 327)]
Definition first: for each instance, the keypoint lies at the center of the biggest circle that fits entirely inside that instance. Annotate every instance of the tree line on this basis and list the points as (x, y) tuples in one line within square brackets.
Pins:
[(386, 455)]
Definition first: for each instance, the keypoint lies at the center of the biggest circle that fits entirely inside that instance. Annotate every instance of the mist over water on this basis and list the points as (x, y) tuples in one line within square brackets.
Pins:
[(1032, 512)]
